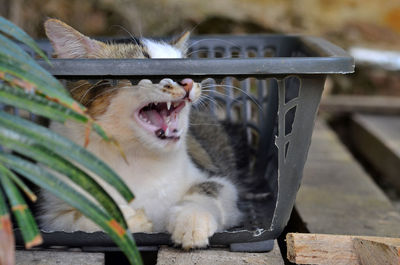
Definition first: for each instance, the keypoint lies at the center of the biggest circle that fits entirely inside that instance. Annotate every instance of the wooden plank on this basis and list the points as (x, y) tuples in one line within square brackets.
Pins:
[(35, 257), (371, 252), (341, 249), (360, 104), (173, 256), (320, 249), (377, 138), (338, 197)]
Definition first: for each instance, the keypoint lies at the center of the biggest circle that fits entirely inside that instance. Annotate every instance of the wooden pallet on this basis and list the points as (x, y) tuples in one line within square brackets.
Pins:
[(338, 197), (342, 250), (377, 138)]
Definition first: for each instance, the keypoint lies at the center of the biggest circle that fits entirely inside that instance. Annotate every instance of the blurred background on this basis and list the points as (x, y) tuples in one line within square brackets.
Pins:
[(372, 24)]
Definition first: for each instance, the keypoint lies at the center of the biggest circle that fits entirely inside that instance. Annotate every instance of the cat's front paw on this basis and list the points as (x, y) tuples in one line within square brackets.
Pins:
[(191, 226), (137, 220)]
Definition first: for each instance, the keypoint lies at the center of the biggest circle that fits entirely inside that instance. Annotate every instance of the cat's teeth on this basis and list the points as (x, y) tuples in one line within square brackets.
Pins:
[(168, 105), (167, 132), (176, 104), (156, 103)]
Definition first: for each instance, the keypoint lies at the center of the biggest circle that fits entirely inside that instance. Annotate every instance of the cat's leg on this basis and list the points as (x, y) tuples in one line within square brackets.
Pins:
[(207, 206), (56, 215), (66, 218), (137, 220)]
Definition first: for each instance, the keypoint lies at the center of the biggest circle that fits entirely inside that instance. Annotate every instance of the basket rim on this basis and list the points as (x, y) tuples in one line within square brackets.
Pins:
[(324, 58)]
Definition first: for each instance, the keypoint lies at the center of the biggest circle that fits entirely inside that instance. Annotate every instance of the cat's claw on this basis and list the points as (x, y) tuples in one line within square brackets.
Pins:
[(137, 220), (191, 226)]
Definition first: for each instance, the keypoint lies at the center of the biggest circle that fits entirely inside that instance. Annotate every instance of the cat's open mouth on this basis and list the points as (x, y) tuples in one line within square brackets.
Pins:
[(161, 118)]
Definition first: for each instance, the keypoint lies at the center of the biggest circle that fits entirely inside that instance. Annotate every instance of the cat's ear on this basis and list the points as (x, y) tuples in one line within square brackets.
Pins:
[(68, 42), (181, 43)]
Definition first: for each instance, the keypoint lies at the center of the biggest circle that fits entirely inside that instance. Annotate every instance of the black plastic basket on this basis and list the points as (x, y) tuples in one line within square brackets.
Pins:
[(281, 79)]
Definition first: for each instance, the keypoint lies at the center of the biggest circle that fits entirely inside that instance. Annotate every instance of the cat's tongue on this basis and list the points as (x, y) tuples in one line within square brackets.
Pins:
[(155, 118), (167, 124)]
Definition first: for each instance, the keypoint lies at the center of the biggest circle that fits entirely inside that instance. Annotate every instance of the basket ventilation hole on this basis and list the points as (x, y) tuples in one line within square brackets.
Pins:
[(269, 52), (289, 119), (202, 52), (292, 85)]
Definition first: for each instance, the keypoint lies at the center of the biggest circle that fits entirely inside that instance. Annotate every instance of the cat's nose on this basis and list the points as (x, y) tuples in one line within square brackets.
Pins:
[(187, 84)]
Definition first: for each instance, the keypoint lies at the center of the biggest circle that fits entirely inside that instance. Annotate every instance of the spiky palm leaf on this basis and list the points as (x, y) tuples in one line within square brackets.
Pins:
[(24, 84)]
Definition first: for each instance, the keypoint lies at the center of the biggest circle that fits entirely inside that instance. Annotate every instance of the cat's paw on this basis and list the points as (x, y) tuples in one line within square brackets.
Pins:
[(137, 220), (191, 226)]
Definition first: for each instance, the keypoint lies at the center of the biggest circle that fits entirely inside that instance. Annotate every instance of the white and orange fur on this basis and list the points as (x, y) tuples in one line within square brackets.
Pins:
[(172, 193)]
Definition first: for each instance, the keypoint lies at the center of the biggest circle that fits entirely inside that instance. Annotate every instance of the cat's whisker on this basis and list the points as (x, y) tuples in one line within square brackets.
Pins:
[(215, 102), (249, 96), (89, 89), (193, 52), (128, 32), (217, 92), (201, 104), (212, 39), (74, 88), (224, 95), (206, 50), (103, 93), (201, 124)]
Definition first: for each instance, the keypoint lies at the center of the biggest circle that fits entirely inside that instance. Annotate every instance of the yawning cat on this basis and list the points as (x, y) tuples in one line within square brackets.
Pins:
[(183, 180)]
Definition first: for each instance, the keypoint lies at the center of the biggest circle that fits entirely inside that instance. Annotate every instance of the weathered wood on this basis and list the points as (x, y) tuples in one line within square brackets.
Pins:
[(360, 104), (58, 257), (377, 138), (338, 197), (341, 249), (320, 249), (172, 256), (377, 251)]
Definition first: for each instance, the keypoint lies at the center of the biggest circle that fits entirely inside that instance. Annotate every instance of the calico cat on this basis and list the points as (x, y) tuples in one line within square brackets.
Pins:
[(183, 180)]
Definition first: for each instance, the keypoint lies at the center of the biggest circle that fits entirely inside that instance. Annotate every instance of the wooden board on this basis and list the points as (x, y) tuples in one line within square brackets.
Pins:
[(360, 104), (58, 257), (377, 138), (342, 249), (338, 197), (172, 256), (372, 251)]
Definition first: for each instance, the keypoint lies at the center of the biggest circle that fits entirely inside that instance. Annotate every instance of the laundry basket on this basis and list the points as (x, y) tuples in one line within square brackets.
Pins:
[(269, 84)]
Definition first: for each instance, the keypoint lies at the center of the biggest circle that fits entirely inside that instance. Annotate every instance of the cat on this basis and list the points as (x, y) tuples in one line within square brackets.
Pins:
[(183, 179)]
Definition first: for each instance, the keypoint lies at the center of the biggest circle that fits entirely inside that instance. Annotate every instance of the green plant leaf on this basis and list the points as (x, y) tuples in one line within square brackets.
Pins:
[(26, 222), (44, 179), (14, 31), (7, 242), (65, 148), (23, 145), (38, 105), (11, 50), (28, 192), (34, 82)]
